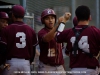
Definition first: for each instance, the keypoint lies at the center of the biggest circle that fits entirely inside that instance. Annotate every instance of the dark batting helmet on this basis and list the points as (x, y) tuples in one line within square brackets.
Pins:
[(75, 21), (4, 15), (18, 10), (47, 12)]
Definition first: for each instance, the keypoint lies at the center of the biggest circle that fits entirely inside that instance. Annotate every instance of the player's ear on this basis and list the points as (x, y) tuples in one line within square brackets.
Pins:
[(90, 18)]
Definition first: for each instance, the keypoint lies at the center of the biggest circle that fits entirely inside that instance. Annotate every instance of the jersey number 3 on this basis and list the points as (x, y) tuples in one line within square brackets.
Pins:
[(22, 40)]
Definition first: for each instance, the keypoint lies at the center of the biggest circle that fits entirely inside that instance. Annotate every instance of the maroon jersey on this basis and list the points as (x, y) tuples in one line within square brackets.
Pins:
[(89, 39), (50, 52), (20, 39)]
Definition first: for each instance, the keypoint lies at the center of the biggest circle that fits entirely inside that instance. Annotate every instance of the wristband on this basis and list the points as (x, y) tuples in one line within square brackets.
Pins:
[(61, 27)]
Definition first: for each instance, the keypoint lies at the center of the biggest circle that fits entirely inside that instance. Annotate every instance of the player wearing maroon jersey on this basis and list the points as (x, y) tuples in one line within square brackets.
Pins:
[(3, 23), (51, 58), (83, 43), (20, 40)]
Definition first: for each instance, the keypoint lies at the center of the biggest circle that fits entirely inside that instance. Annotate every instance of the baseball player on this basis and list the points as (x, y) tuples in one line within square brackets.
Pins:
[(51, 58), (3, 23), (20, 41), (83, 43)]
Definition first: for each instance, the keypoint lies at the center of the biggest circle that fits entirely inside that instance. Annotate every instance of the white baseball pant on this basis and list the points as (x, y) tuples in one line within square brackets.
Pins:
[(50, 70), (83, 71), (17, 67)]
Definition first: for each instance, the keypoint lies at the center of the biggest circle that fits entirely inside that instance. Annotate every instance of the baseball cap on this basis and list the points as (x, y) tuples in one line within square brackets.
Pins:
[(4, 15), (18, 10)]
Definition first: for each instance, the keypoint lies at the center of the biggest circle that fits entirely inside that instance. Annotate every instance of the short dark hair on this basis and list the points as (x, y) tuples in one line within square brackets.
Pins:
[(82, 13)]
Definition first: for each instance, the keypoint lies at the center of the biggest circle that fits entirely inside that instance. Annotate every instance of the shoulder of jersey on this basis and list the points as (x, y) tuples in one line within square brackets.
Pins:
[(42, 30)]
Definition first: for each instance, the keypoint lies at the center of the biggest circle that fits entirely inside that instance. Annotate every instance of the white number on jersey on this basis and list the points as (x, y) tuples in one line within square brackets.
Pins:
[(22, 40), (51, 52), (82, 44)]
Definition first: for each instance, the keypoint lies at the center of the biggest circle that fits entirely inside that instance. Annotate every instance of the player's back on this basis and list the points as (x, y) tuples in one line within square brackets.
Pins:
[(20, 39), (89, 39)]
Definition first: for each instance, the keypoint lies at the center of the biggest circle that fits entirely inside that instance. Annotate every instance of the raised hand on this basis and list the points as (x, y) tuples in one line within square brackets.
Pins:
[(64, 18)]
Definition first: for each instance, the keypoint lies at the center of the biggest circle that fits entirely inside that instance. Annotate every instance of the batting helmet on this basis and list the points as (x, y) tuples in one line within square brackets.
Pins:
[(18, 10), (47, 12), (4, 15), (75, 21)]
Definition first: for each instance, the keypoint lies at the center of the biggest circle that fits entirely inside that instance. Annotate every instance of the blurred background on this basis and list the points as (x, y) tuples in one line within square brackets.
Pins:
[(34, 8)]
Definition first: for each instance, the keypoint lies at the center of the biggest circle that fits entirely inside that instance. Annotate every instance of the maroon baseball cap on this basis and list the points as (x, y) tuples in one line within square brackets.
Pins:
[(4, 15), (18, 10), (75, 21)]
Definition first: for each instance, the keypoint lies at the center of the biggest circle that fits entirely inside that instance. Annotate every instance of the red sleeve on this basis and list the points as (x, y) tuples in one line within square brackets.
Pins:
[(62, 36)]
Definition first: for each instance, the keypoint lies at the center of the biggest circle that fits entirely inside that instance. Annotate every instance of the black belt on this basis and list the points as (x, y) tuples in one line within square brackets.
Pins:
[(91, 67)]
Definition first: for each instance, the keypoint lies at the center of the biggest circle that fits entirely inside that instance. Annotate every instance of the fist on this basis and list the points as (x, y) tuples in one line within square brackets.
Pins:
[(64, 18), (67, 16)]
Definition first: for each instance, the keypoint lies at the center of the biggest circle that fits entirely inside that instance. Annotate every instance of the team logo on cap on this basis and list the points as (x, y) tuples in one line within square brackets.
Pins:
[(49, 11)]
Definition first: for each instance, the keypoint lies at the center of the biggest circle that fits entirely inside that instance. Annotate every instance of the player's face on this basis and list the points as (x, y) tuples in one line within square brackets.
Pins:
[(49, 21), (3, 23)]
